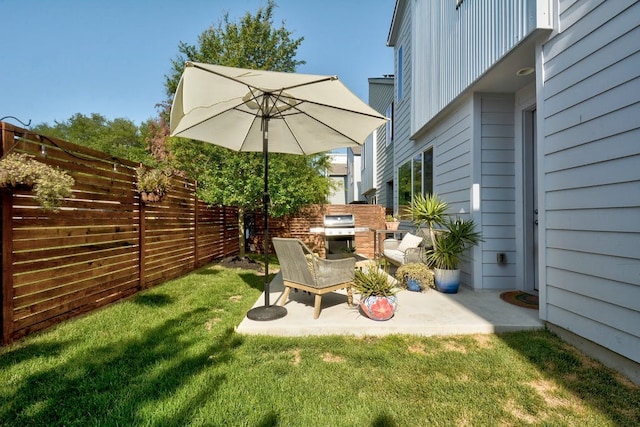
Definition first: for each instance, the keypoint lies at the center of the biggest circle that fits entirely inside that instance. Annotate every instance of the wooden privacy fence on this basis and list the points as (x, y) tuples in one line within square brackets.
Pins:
[(104, 244)]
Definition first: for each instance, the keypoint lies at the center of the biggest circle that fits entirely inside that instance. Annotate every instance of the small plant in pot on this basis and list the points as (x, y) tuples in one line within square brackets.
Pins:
[(377, 293), (415, 276), (448, 251), (51, 185), (391, 222), (152, 184)]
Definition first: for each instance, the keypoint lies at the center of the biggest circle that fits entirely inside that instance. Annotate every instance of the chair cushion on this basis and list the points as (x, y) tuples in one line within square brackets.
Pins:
[(409, 241), (395, 256)]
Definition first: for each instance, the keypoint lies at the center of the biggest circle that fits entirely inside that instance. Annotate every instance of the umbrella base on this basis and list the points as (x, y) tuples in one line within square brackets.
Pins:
[(263, 313)]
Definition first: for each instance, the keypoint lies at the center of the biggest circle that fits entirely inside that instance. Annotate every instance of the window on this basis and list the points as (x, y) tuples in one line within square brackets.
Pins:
[(399, 73), (427, 171), (404, 189), (414, 177)]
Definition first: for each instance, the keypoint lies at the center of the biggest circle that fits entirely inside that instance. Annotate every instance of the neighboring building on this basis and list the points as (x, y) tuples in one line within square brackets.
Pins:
[(377, 152), (524, 115), (354, 175), (338, 173)]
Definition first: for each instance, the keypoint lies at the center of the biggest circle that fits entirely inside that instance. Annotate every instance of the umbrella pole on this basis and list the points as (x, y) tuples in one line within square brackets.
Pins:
[(268, 311)]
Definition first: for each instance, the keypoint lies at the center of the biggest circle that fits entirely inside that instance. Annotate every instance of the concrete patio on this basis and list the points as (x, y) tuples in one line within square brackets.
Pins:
[(427, 313)]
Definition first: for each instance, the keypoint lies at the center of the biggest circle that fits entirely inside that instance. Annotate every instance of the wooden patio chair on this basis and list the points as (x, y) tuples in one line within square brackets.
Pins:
[(302, 269)]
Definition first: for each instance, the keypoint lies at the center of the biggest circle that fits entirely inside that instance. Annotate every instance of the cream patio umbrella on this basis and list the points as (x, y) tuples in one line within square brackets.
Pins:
[(267, 111)]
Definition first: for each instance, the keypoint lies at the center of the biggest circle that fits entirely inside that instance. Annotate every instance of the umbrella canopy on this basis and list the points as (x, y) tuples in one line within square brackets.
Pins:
[(268, 111), (309, 113)]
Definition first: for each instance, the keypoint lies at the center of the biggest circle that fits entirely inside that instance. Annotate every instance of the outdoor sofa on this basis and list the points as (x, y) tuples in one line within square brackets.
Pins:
[(411, 248)]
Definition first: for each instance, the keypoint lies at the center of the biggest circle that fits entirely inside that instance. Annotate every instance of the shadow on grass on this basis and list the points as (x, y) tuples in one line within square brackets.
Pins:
[(207, 272), (269, 420), (384, 420), (15, 354), (116, 383), (256, 281), (595, 384), (153, 300)]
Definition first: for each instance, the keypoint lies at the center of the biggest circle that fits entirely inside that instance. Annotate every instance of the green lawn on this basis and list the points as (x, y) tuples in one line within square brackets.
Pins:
[(170, 357)]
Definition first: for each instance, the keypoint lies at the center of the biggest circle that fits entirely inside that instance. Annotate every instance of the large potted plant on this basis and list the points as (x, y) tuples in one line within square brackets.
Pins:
[(50, 185), (377, 293), (448, 250), (415, 276)]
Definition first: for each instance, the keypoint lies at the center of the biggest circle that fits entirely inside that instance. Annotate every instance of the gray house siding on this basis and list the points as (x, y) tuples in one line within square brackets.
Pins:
[(548, 163), (403, 147), (591, 168), (451, 142), (380, 98), (497, 189), (457, 45)]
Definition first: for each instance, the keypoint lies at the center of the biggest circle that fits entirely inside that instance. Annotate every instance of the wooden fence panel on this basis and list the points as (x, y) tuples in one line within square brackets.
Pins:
[(104, 244)]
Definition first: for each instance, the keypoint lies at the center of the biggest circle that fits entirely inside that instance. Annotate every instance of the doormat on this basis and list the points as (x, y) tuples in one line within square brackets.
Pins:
[(520, 298)]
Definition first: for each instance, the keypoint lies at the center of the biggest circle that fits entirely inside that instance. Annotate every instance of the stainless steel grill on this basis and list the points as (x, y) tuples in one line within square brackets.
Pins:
[(339, 225), (339, 234)]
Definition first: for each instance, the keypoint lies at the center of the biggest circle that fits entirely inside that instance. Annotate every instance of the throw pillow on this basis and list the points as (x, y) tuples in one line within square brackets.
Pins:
[(409, 241)]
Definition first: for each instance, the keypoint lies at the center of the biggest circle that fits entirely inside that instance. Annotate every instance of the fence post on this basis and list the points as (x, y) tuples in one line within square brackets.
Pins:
[(141, 243), (6, 297), (195, 225)]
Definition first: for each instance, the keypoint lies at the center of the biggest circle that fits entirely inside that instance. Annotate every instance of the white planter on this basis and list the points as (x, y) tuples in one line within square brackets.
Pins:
[(447, 281)]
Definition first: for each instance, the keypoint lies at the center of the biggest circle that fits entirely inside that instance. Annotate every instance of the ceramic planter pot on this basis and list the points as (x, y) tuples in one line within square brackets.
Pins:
[(392, 225), (379, 308), (447, 281), (413, 285)]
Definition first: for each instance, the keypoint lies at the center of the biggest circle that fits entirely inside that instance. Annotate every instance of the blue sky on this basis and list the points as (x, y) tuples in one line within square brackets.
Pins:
[(61, 57)]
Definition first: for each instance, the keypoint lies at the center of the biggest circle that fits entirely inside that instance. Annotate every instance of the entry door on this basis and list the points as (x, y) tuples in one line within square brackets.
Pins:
[(531, 200)]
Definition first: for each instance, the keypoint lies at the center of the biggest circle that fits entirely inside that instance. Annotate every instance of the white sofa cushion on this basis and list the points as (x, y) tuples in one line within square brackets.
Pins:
[(409, 241), (394, 255)]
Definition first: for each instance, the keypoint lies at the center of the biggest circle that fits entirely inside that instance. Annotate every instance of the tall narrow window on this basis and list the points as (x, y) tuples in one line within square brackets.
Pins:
[(416, 179), (427, 171), (404, 189), (399, 74)]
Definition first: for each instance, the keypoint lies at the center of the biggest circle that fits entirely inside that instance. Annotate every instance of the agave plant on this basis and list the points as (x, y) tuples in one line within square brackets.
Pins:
[(428, 210), (373, 282)]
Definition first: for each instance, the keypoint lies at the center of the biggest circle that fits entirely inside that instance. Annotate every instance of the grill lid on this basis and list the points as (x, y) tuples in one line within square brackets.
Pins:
[(339, 220)]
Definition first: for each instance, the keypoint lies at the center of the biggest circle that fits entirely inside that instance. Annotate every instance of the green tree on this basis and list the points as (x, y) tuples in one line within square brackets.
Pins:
[(236, 179), (253, 42), (119, 137)]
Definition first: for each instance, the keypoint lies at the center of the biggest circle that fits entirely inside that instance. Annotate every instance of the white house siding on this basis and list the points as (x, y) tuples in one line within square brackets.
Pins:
[(497, 189), (591, 167), (466, 41)]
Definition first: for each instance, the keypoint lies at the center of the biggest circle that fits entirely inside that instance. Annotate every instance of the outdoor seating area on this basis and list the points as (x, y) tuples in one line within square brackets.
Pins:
[(418, 313)]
